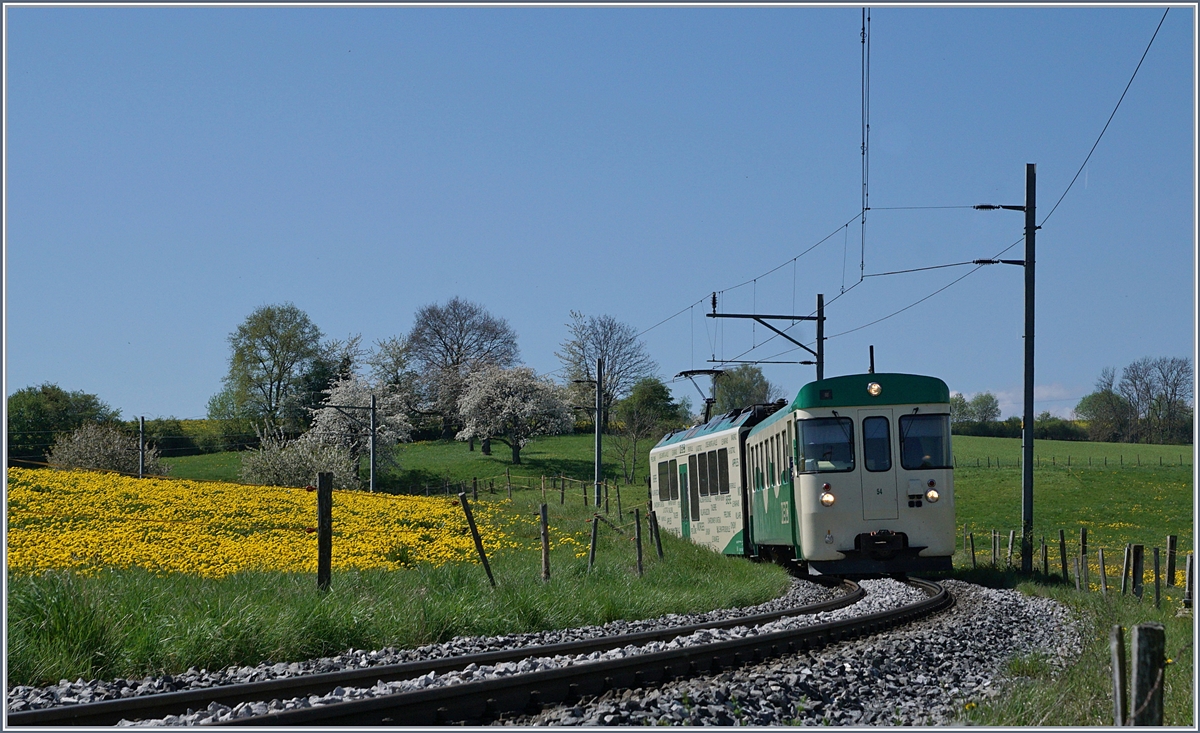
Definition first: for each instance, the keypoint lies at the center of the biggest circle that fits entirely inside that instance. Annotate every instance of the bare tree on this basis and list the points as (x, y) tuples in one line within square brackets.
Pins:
[(1172, 406), (449, 342), (1137, 387), (625, 359)]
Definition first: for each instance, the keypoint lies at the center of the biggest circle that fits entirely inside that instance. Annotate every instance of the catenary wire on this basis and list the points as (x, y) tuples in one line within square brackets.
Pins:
[(1110, 117)]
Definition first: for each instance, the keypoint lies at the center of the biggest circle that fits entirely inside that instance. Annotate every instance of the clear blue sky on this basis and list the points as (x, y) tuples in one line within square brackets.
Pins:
[(168, 170)]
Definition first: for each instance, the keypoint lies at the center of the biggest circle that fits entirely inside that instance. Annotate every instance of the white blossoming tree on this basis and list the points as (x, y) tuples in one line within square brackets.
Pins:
[(512, 406), (350, 428)]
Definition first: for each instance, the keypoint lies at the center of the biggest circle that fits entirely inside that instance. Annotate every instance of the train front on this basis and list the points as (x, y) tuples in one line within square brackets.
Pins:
[(874, 474)]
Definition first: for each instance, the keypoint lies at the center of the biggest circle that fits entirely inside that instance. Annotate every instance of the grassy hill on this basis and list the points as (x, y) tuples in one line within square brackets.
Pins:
[(1101, 482)]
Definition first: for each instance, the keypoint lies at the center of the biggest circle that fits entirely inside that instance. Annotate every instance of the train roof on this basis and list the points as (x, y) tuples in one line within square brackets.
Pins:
[(850, 390), (734, 419)]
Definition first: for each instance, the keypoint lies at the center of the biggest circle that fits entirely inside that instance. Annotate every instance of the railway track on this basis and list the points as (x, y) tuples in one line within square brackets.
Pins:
[(508, 695)]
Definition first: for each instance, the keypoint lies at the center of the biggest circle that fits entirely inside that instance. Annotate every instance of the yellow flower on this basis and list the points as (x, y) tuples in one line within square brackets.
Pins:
[(86, 521)]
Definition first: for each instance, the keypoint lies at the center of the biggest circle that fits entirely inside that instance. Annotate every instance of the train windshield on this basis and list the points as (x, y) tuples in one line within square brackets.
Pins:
[(827, 444), (925, 441)]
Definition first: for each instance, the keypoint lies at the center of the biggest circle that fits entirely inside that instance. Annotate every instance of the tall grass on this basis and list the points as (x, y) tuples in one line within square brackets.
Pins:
[(1038, 694), (130, 623)]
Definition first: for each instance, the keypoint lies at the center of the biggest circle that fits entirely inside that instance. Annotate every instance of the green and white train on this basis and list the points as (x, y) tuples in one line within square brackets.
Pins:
[(854, 477)]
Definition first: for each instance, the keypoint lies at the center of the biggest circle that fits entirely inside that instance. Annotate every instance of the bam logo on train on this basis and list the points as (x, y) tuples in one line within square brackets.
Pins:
[(853, 477)]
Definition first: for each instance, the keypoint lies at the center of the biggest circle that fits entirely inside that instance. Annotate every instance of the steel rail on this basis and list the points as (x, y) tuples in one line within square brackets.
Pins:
[(144, 707), (473, 702)]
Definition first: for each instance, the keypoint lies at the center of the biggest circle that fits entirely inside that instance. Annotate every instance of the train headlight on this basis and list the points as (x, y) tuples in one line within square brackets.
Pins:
[(827, 499), (874, 389), (932, 495)]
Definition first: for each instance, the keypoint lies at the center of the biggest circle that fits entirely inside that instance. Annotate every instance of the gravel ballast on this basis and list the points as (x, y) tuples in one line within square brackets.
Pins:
[(920, 674), (66, 692)]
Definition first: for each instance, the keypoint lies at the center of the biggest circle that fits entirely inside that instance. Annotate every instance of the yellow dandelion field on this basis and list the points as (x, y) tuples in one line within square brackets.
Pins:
[(85, 521)]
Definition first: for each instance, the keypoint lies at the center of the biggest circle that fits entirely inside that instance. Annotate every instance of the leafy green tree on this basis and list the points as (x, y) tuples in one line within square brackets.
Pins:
[(742, 387), (233, 420), (335, 362), (645, 415), (270, 352), (37, 416), (960, 409), (1107, 413), (984, 407)]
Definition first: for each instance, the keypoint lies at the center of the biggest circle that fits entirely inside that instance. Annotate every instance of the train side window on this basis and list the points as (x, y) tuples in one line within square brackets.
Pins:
[(781, 466), (877, 444), (723, 470), (702, 470), (674, 471), (714, 475), (694, 487), (925, 441), (664, 481), (827, 444), (770, 445)]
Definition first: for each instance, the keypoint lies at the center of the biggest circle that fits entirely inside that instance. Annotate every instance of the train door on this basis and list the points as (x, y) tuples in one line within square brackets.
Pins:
[(685, 529), (878, 467)]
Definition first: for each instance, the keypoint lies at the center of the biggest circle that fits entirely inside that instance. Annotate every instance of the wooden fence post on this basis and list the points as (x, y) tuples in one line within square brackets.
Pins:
[(637, 532), (1077, 587), (1157, 582), (1125, 568), (620, 516), (1103, 572), (653, 521), (972, 535), (543, 489), (1012, 533), (1149, 647), (1139, 561), (1171, 546), (1187, 582), (475, 489), (324, 530), (1062, 553), (562, 490), (1116, 645), (545, 544), (1083, 563), (592, 547), (1045, 558), (462, 499)]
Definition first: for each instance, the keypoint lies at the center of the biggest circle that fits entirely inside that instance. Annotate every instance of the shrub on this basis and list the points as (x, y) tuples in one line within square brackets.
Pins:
[(281, 462), (168, 436), (105, 447)]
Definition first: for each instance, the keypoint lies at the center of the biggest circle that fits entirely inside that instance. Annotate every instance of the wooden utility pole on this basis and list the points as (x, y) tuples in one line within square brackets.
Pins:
[(599, 424)]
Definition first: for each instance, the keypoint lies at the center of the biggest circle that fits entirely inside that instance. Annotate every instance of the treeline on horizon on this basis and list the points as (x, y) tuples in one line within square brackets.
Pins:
[(282, 371), (1151, 403)]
